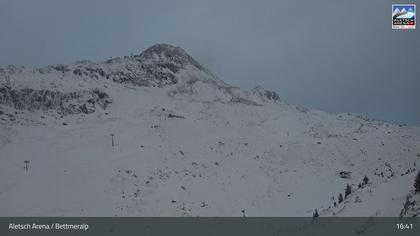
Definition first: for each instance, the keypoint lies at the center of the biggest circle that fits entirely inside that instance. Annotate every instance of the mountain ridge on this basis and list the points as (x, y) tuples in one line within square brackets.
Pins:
[(160, 65)]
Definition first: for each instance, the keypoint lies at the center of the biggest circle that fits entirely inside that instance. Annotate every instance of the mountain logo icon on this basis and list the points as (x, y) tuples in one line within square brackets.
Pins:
[(403, 16)]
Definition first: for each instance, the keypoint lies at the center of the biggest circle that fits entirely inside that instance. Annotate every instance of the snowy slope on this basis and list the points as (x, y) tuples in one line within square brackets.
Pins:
[(186, 144)]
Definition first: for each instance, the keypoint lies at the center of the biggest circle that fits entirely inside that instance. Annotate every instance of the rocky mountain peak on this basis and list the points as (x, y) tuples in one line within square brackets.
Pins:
[(267, 94), (168, 55), (164, 50)]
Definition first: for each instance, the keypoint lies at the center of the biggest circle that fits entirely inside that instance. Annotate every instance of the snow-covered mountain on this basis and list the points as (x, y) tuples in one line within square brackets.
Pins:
[(157, 134)]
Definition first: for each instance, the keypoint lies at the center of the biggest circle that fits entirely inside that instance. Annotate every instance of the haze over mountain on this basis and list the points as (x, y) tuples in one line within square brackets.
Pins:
[(157, 134)]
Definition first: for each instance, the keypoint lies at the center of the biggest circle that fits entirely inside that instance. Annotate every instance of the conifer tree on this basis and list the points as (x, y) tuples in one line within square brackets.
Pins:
[(417, 183), (315, 214), (348, 191), (340, 198), (365, 180)]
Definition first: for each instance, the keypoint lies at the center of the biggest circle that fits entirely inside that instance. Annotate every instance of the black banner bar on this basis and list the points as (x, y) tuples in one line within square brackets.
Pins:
[(203, 226)]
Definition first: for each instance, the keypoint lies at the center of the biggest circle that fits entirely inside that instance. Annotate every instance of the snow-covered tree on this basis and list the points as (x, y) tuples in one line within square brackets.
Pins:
[(340, 198), (365, 180), (417, 183), (348, 191)]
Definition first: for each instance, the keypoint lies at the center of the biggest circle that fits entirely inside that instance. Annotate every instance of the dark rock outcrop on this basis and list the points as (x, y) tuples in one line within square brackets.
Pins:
[(64, 102)]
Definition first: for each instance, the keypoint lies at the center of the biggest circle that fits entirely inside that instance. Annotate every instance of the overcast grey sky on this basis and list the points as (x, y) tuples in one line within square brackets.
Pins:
[(337, 56)]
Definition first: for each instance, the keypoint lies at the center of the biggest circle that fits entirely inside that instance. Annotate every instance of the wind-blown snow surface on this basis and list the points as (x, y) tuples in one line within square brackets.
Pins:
[(186, 144)]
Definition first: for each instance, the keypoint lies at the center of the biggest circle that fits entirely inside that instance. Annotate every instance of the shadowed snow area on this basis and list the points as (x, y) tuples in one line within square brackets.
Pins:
[(157, 134)]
